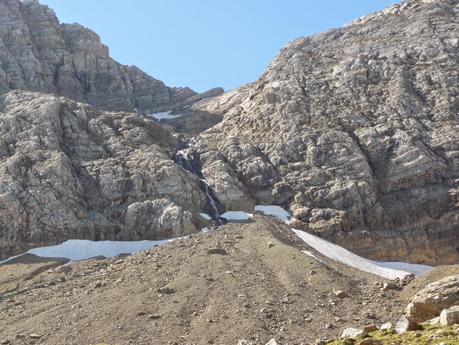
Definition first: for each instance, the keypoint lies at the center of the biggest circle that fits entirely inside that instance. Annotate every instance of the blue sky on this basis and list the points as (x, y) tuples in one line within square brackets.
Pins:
[(206, 43)]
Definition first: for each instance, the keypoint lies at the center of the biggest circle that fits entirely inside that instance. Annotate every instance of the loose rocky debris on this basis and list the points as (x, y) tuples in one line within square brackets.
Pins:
[(180, 294)]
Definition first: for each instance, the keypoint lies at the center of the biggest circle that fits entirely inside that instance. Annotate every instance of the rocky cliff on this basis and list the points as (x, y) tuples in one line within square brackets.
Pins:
[(356, 131), (38, 53), (68, 170)]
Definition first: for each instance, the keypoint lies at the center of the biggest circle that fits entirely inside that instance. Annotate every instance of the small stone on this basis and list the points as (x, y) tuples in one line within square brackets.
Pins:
[(166, 290), (388, 326), (34, 336), (216, 251), (340, 293), (272, 342), (353, 333), (449, 317), (271, 244), (406, 324)]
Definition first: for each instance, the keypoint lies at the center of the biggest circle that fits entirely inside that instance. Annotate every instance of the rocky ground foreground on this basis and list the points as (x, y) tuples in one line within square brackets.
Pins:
[(241, 282)]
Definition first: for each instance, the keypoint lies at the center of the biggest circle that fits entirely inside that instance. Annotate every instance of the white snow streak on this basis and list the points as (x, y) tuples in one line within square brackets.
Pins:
[(388, 270)]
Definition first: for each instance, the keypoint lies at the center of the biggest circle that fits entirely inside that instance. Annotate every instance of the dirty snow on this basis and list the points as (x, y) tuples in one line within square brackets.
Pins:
[(405, 266), (205, 216), (236, 215), (76, 250), (273, 210), (386, 269), (164, 115)]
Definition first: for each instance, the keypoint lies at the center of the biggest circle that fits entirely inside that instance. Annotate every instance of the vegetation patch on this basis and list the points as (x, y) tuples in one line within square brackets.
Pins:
[(429, 335)]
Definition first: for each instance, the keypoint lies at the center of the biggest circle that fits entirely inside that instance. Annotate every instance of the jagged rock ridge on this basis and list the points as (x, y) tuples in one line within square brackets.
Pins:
[(38, 53)]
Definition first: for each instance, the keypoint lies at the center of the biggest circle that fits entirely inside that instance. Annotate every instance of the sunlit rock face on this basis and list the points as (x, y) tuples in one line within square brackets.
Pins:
[(356, 131)]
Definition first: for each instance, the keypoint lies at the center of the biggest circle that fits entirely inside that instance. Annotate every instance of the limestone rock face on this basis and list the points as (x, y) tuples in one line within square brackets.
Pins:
[(69, 171), (37, 53), (356, 130), (430, 301)]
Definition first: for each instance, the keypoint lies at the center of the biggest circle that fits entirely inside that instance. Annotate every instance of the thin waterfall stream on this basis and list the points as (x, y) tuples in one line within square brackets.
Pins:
[(188, 159)]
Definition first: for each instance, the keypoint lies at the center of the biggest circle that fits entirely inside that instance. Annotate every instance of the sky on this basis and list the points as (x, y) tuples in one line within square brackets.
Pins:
[(206, 43)]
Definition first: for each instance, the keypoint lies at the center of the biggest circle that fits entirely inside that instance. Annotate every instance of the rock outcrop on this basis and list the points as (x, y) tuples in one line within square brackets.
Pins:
[(429, 302), (38, 53), (68, 170), (356, 131)]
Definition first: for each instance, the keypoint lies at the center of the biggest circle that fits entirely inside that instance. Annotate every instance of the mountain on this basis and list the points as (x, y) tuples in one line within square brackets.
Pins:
[(37, 53), (356, 132)]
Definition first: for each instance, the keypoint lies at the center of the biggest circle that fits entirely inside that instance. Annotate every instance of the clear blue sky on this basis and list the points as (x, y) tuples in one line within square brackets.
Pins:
[(206, 43)]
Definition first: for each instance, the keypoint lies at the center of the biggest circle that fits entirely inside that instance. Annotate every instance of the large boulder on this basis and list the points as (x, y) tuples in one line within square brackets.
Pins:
[(430, 301)]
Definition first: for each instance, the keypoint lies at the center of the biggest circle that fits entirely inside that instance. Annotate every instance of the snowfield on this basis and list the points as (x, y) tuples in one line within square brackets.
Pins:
[(77, 250), (388, 270)]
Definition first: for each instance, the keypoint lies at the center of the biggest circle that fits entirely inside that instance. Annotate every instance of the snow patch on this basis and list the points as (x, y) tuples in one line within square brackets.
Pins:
[(273, 210), (166, 115), (416, 269), (205, 216), (386, 270), (76, 250), (236, 215)]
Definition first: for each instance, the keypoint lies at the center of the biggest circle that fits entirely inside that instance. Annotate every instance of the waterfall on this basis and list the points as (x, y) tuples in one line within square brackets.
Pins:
[(188, 159)]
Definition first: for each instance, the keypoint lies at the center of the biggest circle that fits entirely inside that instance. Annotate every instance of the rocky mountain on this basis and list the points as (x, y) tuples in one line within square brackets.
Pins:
[(37, 53), (355, 131), (68, 170)]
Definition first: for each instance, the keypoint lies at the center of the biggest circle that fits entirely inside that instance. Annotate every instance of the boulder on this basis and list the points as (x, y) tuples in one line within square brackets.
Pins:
[(450, 316), (353, 333), (430, 301), (405, 324)]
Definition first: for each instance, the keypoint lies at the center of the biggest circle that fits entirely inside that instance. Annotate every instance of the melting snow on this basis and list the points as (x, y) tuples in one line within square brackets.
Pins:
[(404, 266), (205, 216), (236, 215), (273, 210), (388, 270), (76, 250), (164, 115)]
